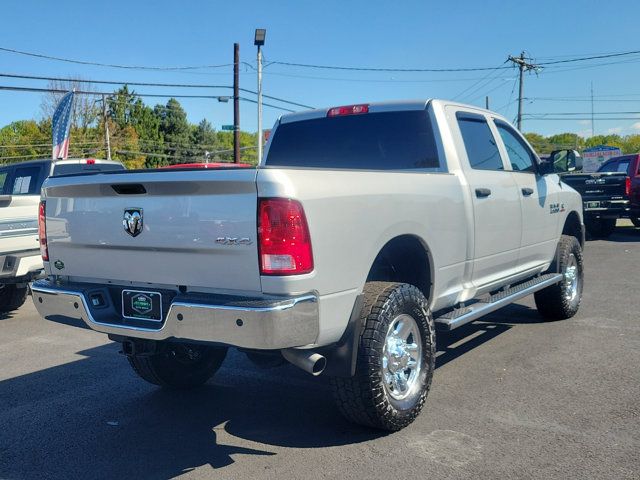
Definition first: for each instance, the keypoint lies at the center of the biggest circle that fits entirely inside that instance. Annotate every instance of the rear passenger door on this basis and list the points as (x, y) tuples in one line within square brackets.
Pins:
[(538, 196), (496, 202)]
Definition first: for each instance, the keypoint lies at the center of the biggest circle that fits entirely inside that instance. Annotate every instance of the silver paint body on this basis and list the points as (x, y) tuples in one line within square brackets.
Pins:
[(475, 245)]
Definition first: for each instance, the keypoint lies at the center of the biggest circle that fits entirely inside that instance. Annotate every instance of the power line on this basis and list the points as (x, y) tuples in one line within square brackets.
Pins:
[(385, 69), (111, 65), (593, 57), (148, 84), (81, 92)]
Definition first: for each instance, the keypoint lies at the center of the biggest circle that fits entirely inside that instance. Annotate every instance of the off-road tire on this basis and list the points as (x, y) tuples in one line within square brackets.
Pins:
[(179, 365), (363, 398), (552, 302), (600, 227), (12, 297), (635, 221)]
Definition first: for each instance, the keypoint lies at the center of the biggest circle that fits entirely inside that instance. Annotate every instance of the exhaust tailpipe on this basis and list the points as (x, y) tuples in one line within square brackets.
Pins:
[(307, 360)]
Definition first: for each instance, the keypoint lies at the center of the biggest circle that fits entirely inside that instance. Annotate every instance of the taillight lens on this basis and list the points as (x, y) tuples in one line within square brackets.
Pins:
[(627, 186), (284, 244), (42, 231)]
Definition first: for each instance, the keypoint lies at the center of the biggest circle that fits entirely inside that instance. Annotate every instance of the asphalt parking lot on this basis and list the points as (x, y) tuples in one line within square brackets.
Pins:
[(512, 397)]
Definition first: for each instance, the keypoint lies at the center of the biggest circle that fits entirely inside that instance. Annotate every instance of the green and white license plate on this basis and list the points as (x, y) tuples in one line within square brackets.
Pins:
[(593, 206), (142, 305)]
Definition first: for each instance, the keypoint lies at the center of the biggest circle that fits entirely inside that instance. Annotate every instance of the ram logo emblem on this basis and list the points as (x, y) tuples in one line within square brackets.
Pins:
[(132, 221)]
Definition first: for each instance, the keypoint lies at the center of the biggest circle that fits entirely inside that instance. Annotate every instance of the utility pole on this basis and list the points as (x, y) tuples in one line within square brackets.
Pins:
[(236, 103), (106, 126), (523, 66), (486, 102), (593, 131), (259, 38)]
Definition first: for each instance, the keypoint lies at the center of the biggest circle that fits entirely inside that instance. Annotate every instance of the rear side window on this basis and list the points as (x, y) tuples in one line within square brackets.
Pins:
[(623, 166), (479, 142), (26, 181), (370, 141), (70, 168), (609, 167)]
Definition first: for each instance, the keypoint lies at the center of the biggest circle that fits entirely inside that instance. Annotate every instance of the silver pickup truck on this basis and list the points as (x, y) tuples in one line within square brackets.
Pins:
[(364, 229)]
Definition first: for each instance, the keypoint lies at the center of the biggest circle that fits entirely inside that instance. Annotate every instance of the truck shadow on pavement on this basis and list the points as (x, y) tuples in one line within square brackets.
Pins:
[(93, 418), (625, 234)]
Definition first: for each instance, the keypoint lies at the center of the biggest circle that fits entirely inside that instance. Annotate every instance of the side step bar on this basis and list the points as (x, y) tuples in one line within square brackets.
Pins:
[(461, 316)]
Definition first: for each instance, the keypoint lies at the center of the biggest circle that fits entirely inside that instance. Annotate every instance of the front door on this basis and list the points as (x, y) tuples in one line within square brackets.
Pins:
[(538, 196)]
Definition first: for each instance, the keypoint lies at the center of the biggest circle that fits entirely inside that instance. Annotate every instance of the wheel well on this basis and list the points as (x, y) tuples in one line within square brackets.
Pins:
[(573, 227), (403, 259)]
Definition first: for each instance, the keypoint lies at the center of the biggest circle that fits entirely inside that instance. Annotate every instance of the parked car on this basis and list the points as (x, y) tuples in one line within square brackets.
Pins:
[(363, 229), (612, 192), (20, 194)]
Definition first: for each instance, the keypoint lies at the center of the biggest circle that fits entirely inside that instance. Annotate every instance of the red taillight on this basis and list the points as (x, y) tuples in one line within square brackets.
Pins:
[(348, 110), (627, 186), (284, 244), (42, 231), (91, 161)]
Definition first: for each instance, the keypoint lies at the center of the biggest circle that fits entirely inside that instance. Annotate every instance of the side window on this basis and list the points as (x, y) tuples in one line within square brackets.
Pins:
[(25, 181), (609, 167), (521, 157), (479, 142), (3, 180), (623, 166)]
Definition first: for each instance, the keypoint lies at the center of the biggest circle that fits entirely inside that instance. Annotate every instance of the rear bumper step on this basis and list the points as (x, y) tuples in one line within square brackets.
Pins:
[(461, 316), (262, 323)]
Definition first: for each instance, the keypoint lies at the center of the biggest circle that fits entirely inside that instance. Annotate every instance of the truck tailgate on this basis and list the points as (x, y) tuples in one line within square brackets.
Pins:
[(198, 228), (598, 186)]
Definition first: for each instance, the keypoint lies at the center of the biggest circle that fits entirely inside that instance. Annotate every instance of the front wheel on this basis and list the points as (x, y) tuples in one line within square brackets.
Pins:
[(396, 359), (179, 365), (562, 300)]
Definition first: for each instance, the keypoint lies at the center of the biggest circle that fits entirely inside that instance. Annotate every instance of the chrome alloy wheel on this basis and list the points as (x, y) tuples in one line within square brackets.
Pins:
[(571, 278), (402, 357)]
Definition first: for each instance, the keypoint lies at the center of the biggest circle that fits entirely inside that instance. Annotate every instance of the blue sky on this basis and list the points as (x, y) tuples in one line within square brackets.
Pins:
[(419, 34)]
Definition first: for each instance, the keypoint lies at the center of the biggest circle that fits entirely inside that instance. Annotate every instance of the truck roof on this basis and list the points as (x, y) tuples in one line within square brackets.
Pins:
[(377, 107)]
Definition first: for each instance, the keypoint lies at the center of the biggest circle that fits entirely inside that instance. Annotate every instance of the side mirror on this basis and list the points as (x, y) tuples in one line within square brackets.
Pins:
[(565, 161)]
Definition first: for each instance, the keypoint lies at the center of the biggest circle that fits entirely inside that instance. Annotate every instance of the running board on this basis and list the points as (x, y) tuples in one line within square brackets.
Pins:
[(461, 316)]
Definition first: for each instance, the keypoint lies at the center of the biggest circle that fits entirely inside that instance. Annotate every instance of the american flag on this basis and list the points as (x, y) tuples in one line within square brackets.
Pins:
[(60, 127)]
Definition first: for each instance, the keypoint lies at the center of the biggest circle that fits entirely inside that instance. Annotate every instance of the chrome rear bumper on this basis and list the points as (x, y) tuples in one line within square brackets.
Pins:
[(261, 323)]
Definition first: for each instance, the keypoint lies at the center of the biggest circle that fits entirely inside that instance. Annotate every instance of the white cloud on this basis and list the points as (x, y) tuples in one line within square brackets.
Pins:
[(615, 130), (584, 122), (635, 126)]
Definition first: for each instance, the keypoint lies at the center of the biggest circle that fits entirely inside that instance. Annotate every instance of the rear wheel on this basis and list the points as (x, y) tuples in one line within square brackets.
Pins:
[(635, 221), (179, 365), (396, 359), (12, 297), (600, 227), (562, 300)]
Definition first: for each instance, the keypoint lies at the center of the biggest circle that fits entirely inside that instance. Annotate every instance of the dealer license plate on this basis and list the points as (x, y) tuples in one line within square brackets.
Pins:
[(141, 305)]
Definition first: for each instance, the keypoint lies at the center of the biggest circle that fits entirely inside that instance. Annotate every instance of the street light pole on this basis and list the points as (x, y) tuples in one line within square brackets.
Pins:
[(259, 42)]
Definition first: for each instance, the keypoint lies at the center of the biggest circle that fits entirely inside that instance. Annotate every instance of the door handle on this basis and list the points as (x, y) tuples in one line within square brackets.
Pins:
[(483, 192), (527, 191)]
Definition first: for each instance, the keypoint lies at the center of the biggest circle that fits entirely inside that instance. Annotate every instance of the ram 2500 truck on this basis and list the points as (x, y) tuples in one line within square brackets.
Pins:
[(364, 229)]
